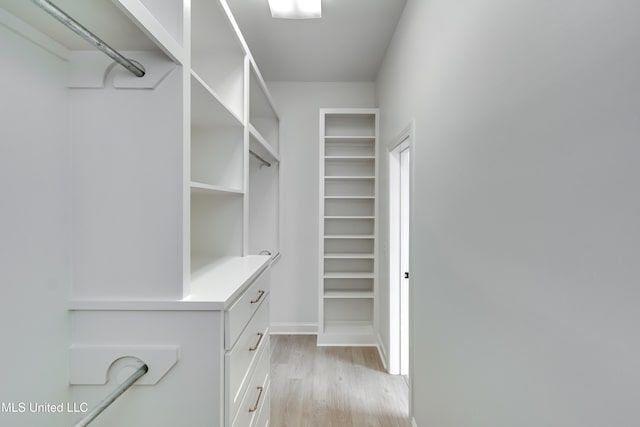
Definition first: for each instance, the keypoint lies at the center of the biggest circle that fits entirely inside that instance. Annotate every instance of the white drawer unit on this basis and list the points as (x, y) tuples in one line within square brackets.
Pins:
[(240, 361), (247, 357), (238, 315), (256, 398)]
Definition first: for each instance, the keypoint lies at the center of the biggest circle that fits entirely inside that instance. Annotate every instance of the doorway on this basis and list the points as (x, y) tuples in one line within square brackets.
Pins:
[(399, 232)]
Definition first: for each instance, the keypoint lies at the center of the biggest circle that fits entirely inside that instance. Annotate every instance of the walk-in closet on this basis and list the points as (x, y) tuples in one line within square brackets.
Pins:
[(331, 213)]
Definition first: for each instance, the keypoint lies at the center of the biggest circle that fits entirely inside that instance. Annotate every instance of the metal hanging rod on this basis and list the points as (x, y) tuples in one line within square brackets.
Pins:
[(93, 414), (136, 68), (263, 161)]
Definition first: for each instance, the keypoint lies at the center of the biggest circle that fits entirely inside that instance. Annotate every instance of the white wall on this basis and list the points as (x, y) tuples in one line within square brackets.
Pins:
[(525, 237), (35, 230), (294, 279)]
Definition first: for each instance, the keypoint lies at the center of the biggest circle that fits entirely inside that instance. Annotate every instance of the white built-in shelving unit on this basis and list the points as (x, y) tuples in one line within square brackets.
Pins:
[(175, 219), (348, 240)]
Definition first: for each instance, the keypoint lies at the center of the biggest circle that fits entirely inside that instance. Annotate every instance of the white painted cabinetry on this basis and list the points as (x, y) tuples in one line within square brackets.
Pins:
[(348, 209), (175, 208)]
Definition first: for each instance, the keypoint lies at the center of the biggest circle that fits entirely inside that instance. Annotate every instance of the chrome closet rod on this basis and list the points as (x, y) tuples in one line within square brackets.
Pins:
[(260, 158), (53, 10), (104, 404)]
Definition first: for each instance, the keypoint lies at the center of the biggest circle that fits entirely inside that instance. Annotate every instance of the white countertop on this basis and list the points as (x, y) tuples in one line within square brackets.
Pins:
[(214, 286)]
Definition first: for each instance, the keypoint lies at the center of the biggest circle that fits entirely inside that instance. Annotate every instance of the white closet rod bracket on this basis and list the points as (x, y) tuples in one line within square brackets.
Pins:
[(107, 401), (91, 364), (136, 68)]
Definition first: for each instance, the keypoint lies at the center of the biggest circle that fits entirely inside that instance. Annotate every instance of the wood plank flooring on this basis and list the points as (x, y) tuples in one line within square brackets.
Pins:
[(332, 386)]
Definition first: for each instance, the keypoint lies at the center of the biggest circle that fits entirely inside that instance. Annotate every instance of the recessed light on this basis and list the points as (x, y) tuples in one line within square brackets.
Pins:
[(296, 9)]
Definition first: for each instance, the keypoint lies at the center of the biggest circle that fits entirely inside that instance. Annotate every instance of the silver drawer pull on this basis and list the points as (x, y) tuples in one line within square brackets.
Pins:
[(255, 408), (259, 297), (255, 347)]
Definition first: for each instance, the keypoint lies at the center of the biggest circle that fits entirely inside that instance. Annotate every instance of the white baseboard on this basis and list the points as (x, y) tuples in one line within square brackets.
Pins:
[(382, 350), (413, 422), (294, 329)]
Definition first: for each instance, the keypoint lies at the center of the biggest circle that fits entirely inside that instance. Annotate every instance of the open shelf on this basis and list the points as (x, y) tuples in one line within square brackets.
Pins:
[(216, 227), (217, 53), (348, 166), (263, 116), (349, 197), (348, 328), (168, 13), (260, 146), (341, 246), (350, 217), (216, 139), (349, 157), (348, 294), (162, 21), (349, 188), (197, 187), (348, 275), (348, 310), (355, 333), (348, 265), (349, 236), (349, 138), (350, 125), (349, 227), (348, 284), (347, 255), (338, 177), (207, 108), (349, 207)]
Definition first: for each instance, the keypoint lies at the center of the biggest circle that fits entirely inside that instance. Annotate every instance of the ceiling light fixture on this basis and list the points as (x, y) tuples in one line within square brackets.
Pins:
[(296, 9)]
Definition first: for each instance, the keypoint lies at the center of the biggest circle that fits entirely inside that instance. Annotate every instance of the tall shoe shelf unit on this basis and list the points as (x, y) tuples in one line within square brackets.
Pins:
[(175, 221), (348, 210)]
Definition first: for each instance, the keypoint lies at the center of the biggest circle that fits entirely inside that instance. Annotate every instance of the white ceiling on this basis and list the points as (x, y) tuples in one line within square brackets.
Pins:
[(347, 44)]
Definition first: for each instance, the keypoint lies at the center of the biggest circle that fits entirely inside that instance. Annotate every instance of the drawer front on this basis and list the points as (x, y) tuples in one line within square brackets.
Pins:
[(238, 315), (241, 359), (256, 392), (264, 413)]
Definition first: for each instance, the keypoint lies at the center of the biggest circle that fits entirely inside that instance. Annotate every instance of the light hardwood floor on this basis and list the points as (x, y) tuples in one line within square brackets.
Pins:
[(332, 386)]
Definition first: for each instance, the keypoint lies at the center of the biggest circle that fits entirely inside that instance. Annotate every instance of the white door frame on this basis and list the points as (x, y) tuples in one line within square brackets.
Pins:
[(400, 143)]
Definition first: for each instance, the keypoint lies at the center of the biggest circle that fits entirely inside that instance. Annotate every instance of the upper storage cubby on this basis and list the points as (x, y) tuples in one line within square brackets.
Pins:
[(262, 114), (217, 136), (350, 126), (217, 55), (168, 13), (161, 20), (341, 146)]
